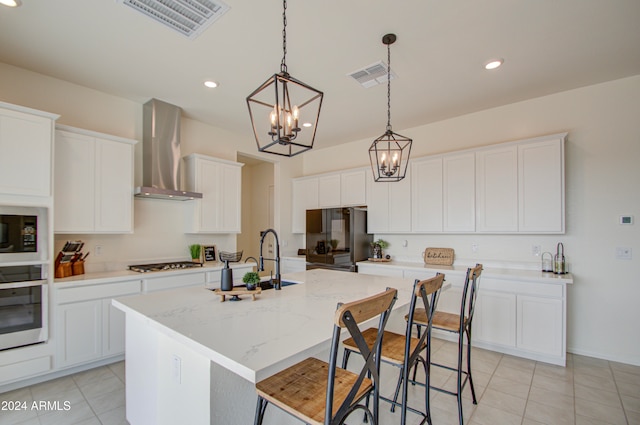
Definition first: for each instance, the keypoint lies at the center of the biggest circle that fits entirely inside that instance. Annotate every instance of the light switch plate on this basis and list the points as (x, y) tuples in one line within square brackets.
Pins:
[(623, 253)]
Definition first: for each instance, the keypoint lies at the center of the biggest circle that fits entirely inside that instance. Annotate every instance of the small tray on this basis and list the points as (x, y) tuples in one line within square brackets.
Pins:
[(237, 291), (379, 260)]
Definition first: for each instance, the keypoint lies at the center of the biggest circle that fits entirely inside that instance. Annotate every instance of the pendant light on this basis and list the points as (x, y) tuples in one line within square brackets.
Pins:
[(284, 111), (389, 153)]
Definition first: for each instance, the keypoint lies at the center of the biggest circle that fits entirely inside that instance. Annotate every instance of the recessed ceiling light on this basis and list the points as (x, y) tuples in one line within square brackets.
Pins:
[(11, 3), (211, 84), (493, 63), (307, 124)]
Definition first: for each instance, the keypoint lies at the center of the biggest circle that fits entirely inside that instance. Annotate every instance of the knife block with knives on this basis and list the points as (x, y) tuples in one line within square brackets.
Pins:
[(70, 261)]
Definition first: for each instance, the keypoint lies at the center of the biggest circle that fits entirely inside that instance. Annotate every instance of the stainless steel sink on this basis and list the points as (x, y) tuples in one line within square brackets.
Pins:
[(266, 285)]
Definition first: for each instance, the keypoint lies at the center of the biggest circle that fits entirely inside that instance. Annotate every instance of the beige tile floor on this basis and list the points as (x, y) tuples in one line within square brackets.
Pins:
[(510, 390)]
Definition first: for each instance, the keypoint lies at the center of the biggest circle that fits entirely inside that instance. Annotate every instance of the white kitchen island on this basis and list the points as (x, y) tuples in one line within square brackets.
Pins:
[(192, 359)]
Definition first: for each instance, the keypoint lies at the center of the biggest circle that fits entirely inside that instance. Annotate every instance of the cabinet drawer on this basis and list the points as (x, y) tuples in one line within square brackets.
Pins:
[(107, 290), (515, 287), (24, 369), (170, 282)]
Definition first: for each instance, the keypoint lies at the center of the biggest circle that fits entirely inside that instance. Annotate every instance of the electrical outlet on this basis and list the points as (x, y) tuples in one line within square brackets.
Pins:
[(536, 250), (176, 368), (98, 250), (474, 248)]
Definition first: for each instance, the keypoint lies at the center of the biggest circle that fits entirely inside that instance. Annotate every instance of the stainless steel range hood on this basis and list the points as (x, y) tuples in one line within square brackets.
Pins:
[(161, 153)]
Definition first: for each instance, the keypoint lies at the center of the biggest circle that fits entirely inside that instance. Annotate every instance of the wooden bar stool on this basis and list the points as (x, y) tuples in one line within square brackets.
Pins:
[(317, 392), (461, 325), (404, 351)]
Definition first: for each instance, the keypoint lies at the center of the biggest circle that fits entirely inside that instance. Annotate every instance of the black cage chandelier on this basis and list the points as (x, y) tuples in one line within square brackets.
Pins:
[(389, 153), (284, 111)]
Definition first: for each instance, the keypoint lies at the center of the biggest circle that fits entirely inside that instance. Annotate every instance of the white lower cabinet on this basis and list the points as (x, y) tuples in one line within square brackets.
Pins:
[(519, 316), (540, 325), (113, 329), (80, 329), (494, 320), (163, 283), (292, 264), (88, 328), (213, 277)]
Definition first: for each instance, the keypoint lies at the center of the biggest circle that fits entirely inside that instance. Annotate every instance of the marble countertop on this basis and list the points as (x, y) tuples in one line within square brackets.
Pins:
[(256, 339), (488, 272)]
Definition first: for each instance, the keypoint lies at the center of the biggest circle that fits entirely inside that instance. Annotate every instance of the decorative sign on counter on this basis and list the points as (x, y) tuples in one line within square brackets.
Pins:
[(209, 253), (438, 256)]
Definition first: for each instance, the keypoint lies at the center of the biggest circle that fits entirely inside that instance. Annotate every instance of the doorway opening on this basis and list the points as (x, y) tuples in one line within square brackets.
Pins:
[(258, 209)]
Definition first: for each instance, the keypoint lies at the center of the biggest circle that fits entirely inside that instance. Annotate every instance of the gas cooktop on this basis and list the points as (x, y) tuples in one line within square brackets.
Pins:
[(158, 267)]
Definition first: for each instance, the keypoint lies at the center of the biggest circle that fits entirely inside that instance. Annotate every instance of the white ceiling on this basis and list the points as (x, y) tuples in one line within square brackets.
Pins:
[(548, 46)]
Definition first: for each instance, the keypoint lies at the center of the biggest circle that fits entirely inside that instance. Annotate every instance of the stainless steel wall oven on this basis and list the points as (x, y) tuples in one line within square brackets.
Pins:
[(23, 305)]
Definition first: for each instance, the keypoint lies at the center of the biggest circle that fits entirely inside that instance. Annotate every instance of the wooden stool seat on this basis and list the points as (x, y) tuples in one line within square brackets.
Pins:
[(302, 389), (393, 345), (441, 320)]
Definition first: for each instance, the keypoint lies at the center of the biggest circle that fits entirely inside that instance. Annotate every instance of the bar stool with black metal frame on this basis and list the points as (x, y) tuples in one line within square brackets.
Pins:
[(404, 351), (317, 392), (461, 325)]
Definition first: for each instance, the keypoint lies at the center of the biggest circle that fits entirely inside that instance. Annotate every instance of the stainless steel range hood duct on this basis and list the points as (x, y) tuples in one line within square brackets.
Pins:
[(161, 153)]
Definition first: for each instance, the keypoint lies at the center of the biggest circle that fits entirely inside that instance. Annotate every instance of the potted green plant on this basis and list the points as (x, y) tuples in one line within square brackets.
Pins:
[(251, 279), (377, 247), (195, 251)]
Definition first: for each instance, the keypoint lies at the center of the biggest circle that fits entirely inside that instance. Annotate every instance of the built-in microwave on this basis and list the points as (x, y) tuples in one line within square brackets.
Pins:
[(19, 228)]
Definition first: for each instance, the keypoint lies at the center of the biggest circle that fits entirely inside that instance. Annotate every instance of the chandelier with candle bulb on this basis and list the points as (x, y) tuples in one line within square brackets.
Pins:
[(389, 153), (279, 105)]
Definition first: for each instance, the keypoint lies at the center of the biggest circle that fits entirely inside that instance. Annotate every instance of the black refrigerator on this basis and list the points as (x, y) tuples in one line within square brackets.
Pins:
[(337, 238)]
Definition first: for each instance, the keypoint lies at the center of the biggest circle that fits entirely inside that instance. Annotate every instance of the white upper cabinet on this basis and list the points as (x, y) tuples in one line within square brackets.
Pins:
[(305, 197), (541, 185), (329, 191), (353, 188), (93, 182), (220, 182), (426, 195), (497, 190), (515, 187), (26, 141), (389, 206), (459, 192)]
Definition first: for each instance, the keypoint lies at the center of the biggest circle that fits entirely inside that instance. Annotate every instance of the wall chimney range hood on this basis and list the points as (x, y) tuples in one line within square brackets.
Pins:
[(161, 153)]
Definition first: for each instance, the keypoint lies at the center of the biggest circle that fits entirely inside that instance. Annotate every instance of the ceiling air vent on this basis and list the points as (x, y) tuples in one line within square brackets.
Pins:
[(188, 17), (372, 75)]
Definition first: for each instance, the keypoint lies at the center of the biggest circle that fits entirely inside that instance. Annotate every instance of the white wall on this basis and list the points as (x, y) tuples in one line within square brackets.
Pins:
[(602, 178)]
